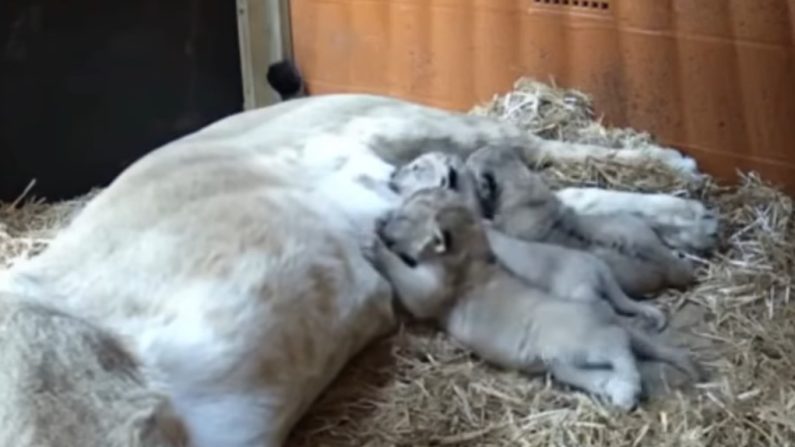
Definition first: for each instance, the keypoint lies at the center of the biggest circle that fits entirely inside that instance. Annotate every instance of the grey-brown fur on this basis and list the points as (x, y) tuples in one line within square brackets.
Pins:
[(65, 382), (570, 274), (458, 283), (522, 205), (230, 261)]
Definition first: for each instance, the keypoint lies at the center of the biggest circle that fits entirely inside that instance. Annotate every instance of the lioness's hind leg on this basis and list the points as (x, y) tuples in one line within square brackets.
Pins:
[(683, 224), (578, 152)]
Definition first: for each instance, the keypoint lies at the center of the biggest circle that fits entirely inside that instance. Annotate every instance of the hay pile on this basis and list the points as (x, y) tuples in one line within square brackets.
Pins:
[(557, 114), (27, 225), (417, 388)]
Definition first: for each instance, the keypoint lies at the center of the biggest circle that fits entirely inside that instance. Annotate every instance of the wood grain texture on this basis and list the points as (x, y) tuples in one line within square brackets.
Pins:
[(715, 78)]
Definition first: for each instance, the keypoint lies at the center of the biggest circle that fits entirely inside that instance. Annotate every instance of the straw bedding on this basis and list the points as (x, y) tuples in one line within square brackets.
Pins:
[(418, 388)]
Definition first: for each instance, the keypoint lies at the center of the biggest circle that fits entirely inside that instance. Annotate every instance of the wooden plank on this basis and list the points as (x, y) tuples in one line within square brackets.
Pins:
[(264, 34)]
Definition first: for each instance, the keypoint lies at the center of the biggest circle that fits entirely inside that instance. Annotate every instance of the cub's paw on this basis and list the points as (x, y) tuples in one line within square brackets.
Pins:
[(374, 249), (623, 392), (684, 362)]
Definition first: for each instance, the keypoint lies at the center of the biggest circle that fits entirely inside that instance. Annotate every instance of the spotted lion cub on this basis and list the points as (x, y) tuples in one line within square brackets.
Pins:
[(521, 205), (436, 253)]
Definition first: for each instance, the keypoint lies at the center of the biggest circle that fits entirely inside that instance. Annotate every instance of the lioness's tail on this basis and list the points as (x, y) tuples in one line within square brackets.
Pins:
[(284, 77)]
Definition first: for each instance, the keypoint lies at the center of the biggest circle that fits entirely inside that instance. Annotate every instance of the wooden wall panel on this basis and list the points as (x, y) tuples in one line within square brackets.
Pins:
[(715, 78)]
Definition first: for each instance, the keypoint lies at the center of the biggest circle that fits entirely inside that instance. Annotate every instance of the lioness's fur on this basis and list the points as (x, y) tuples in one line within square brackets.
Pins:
[(456, 280), (521, 205), (230, 261), (65, 382)]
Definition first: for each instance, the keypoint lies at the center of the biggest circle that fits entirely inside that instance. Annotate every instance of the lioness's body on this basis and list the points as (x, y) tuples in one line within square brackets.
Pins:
[(230, 261), (65, 382)]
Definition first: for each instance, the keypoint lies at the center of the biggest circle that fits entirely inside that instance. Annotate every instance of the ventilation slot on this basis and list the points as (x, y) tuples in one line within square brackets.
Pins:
[(588, 4)]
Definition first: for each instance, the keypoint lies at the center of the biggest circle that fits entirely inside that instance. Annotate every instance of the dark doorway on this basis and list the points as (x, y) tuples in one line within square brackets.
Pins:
[(87, 87)]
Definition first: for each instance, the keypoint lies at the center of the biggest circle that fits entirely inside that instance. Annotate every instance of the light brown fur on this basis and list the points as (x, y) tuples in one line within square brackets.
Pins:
[(521, 205), (231, 261), (458, 283), (65, 382), (228, 263)]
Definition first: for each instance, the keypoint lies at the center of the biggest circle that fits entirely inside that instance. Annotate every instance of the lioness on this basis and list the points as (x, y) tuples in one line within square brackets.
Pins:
[(232, 261)]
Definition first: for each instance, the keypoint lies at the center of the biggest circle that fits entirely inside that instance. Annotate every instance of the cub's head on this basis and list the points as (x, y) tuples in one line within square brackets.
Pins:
[(431, 224), (429, 170), (502, 179), (436, 170)]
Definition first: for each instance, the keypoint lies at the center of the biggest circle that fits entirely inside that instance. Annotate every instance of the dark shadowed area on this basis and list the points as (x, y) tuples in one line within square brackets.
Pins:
[(87, 87)]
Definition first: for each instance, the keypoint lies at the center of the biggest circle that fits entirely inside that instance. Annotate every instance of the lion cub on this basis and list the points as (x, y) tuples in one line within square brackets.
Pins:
[(521, 205), (436, 253)]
